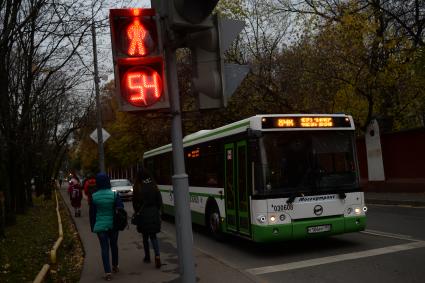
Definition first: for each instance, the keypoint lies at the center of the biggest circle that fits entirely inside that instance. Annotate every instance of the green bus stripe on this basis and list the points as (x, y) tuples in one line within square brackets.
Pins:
[(206, 195), (166, 147), (197, 217), (245, 123), (198, 194)]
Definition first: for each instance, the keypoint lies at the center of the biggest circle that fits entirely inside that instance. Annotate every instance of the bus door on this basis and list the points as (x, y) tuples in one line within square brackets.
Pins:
[(236, 187)]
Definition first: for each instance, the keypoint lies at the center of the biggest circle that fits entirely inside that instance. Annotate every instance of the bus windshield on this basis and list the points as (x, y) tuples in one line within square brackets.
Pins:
[(306, 162)]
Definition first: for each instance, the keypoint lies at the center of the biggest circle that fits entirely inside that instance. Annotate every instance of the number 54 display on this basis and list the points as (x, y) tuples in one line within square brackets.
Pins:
[(139, 67)]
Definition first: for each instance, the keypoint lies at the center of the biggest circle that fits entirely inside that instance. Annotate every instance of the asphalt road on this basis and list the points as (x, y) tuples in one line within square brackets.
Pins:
[(392, 249)]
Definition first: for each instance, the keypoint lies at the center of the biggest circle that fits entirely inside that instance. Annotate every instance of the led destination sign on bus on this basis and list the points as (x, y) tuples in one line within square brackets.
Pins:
[(305, 122)]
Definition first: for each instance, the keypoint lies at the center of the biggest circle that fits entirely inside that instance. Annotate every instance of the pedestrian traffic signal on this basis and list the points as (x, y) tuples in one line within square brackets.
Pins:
[(140, 80)]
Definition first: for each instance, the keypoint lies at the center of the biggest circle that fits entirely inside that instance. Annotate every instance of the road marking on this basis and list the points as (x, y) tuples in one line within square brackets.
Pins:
[(389, 235), (419, 206), (337, 258)]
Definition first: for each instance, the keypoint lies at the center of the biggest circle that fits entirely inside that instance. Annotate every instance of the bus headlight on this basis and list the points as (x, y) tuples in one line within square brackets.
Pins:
[(282, 217), (272, 218), (357, 210), (261, 218), (364, 208)]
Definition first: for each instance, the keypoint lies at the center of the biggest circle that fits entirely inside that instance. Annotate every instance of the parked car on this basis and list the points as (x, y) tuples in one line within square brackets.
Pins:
[(123, 187)]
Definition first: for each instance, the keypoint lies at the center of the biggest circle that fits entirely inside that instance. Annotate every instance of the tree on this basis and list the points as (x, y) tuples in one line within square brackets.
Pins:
[(40, 45), (366, 50)]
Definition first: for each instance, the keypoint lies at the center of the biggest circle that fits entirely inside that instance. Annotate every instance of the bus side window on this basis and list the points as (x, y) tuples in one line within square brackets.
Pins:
[(253, 150), (211, 165), (157, 170), (212, 180)]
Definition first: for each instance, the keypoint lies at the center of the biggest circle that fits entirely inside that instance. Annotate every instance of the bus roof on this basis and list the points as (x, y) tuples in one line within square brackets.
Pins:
[(257, 122)]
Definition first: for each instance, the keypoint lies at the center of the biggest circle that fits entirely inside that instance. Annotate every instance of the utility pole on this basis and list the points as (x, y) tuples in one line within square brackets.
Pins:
[(184, 233), (98, 111)]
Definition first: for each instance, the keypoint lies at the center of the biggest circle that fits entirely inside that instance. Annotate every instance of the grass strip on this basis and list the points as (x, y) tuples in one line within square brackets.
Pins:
[(27, 244)]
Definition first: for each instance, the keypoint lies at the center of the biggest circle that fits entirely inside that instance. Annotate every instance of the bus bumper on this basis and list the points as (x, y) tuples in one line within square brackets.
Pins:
[(299, 229)]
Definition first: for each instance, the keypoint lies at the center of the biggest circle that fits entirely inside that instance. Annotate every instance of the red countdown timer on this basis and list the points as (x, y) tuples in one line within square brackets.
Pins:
[(141, 86), (138, 56)]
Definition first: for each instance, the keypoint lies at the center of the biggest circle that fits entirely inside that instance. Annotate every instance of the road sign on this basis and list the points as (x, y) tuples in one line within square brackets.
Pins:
[(105, 135)]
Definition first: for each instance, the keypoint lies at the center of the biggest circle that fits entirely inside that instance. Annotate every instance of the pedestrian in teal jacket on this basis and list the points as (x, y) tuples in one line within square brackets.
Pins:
[(104, 202)]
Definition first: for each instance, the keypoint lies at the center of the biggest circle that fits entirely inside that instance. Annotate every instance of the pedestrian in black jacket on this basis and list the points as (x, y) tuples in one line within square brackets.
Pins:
[(147, 203)]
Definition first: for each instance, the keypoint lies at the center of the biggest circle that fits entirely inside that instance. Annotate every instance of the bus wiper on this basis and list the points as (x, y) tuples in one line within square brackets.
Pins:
[(294, 196), (291, 198), (341, 195)]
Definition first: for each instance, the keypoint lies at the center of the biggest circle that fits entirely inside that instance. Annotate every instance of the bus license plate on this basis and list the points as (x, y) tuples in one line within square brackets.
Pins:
[(319, 229)]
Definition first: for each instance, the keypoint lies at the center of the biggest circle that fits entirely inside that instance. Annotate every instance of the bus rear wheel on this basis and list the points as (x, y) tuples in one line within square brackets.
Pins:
[(213, 222)]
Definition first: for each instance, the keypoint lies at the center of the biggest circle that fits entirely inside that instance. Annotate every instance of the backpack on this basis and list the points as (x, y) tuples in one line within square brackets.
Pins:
[(120, 218)]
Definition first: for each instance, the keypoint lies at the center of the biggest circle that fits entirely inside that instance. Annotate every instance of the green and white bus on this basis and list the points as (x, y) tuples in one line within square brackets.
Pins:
[(270, 177)]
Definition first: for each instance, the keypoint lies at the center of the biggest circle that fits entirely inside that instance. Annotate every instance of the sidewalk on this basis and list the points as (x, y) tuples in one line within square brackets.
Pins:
[(408, 199), (132, 268)]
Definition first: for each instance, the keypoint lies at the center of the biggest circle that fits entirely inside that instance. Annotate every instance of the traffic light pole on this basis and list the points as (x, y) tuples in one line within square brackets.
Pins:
[(180, 179)]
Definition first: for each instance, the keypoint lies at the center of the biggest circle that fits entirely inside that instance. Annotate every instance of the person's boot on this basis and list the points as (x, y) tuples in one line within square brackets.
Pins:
[(147, 259), (157, 262), (107, 277)]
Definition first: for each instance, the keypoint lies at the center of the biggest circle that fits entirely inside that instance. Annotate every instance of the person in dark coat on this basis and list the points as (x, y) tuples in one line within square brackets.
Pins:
[(147, 203)]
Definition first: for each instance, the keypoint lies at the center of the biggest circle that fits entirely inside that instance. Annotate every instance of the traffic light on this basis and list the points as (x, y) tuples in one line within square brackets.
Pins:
[(215, 81), (139, 65), (185, 15), (208, 37), (191, 14)]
